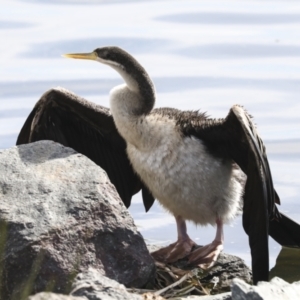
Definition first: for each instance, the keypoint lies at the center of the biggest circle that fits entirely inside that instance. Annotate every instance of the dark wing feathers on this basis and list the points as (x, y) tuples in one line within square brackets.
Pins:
[(281, 228), (285, 231), (258, 153), (89, 129), (148, 198), (236, 138), (25, 132), (259, 197)]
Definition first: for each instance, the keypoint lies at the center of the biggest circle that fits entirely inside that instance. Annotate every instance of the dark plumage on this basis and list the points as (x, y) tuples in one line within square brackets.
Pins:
[(183, 158)]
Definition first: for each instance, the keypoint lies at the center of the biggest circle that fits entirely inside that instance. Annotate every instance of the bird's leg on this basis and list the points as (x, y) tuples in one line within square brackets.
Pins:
[(177, 250), (206, 256)]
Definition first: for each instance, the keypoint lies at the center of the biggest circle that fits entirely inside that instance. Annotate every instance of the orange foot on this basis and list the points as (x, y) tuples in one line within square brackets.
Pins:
[(174, 252)]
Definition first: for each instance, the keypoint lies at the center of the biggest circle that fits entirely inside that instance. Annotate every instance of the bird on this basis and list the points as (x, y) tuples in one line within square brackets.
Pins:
[(198, 168)]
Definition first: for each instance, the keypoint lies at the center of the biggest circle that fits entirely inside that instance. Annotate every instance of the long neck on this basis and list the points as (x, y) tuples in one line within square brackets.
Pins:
[(127, 110), (141, 92), (132, 102)]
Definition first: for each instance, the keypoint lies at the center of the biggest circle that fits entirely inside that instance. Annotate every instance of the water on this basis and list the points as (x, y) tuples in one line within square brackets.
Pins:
[(204, 55)]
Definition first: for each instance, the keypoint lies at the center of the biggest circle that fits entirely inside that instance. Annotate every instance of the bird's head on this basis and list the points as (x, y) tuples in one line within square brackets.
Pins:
[(135, 76), (113, 56)]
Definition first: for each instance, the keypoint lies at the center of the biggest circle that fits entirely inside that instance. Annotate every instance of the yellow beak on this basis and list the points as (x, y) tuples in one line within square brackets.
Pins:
[(91, 56)]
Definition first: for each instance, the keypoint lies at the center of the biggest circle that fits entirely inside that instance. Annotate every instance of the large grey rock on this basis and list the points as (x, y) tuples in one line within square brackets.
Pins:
[(276, 289), (52, 296), (60, 215), (94, 286)]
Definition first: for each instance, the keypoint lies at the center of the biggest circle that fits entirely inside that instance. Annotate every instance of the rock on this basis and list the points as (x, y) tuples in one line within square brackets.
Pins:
[(218, 279), (94, 286), (276, 289), (61, 215), (223, 296), (225, 270), (52, 296)]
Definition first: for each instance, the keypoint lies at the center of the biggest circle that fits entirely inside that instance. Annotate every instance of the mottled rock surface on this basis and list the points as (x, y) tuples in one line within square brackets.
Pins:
[(60, 215), (226, 269), (95, 286), (276, 289)]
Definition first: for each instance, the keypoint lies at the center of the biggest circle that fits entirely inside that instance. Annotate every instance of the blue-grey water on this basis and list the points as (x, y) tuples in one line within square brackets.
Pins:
[(204, 55)]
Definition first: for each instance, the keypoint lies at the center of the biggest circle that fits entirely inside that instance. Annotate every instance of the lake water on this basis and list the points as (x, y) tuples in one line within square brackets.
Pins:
[(204, 55)]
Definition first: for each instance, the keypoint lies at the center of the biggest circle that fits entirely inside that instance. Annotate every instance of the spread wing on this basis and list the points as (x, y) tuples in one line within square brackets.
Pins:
[(89, 129), (236, 138)]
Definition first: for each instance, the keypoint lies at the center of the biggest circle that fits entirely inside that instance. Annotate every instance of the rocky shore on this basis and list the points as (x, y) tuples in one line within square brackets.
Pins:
[(66, 235)]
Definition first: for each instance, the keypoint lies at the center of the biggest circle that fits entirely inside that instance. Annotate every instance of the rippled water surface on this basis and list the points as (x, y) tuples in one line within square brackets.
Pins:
[(204, 55)]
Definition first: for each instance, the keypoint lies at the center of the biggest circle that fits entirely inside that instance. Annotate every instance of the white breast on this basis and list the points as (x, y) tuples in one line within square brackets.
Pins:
[(182, 175)]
